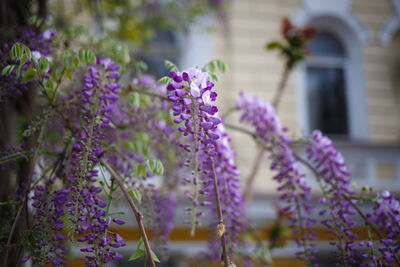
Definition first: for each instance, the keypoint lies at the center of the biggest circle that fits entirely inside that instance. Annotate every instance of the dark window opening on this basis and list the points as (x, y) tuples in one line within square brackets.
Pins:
[(327, 100), (326, 86)]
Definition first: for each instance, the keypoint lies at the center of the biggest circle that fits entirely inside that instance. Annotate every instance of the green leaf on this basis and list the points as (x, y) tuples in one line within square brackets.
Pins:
[(155, 258), (43, 65), (139, 169), (68, 73), (273, 45), (16, 51), (29, 75), (165, 80), (155, 166), (81, 56), (86, 57), (170, 66), (135, 99), (7, 70), (68, 60), (137, 254), (136, 195), (146, 151), (75, 63), (214, 77), (28, 52), (49, 84), (145, 100), (19, 71), (141, 65), (90, 57), (128, 146), (140, 244), (211, 66), (221, 66), (23, 60)]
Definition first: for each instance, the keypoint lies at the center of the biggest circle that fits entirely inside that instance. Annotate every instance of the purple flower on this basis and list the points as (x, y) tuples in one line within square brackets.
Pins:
[(192, 95), (293, 187)]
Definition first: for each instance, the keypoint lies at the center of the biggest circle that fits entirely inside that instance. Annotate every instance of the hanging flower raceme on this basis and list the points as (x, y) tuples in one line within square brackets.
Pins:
[(89, 217), (192, 96), (49, 209), (164, 207), (293, 187), (331, 168)]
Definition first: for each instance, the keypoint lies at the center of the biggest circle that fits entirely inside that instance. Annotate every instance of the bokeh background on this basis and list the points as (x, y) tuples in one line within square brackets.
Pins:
[(349, 85)]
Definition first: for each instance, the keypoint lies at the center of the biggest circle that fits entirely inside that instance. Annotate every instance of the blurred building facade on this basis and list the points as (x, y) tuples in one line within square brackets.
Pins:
[(349, 88)]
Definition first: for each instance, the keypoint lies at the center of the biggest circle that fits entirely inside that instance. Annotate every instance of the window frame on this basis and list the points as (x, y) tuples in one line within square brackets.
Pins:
[(353, 74), (329, 62)]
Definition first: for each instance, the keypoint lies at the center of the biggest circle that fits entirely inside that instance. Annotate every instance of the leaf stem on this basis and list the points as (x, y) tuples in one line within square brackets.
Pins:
[(219, 210), (248, 190), (24, 206), (140, 91), (136, 212), (325, 194)]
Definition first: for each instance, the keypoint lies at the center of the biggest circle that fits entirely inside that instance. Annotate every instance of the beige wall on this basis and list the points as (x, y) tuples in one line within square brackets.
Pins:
[(382, 104), (256, 71)]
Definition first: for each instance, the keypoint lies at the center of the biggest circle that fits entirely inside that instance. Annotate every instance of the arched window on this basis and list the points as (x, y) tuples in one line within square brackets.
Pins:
[(326, 85), (331, 84)]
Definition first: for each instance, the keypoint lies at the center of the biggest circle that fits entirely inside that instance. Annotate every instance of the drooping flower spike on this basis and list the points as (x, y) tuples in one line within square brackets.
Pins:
[(192, 95), (295, 191)]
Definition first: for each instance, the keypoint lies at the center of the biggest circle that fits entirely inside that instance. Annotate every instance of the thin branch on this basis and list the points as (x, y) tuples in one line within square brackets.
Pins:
[(371, 249), (220, 217), (302, 227), (143, 92), (25, 199), (15, 156), (240, 129), (281, 87), (248, 191), (335, 223), (135, 211), (11, 234)]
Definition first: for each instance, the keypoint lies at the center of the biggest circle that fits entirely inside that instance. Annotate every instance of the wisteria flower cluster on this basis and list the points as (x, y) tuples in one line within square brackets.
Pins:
[(192, 97), (292, 183), (155, 142), (214, 167), (81, 200), (49, 210), (330, 165), (142, 129), (338, 194), (99, 95)]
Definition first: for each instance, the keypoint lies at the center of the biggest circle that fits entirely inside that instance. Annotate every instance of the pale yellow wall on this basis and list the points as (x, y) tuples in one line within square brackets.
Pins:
[(383, 114), (256, 71)]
